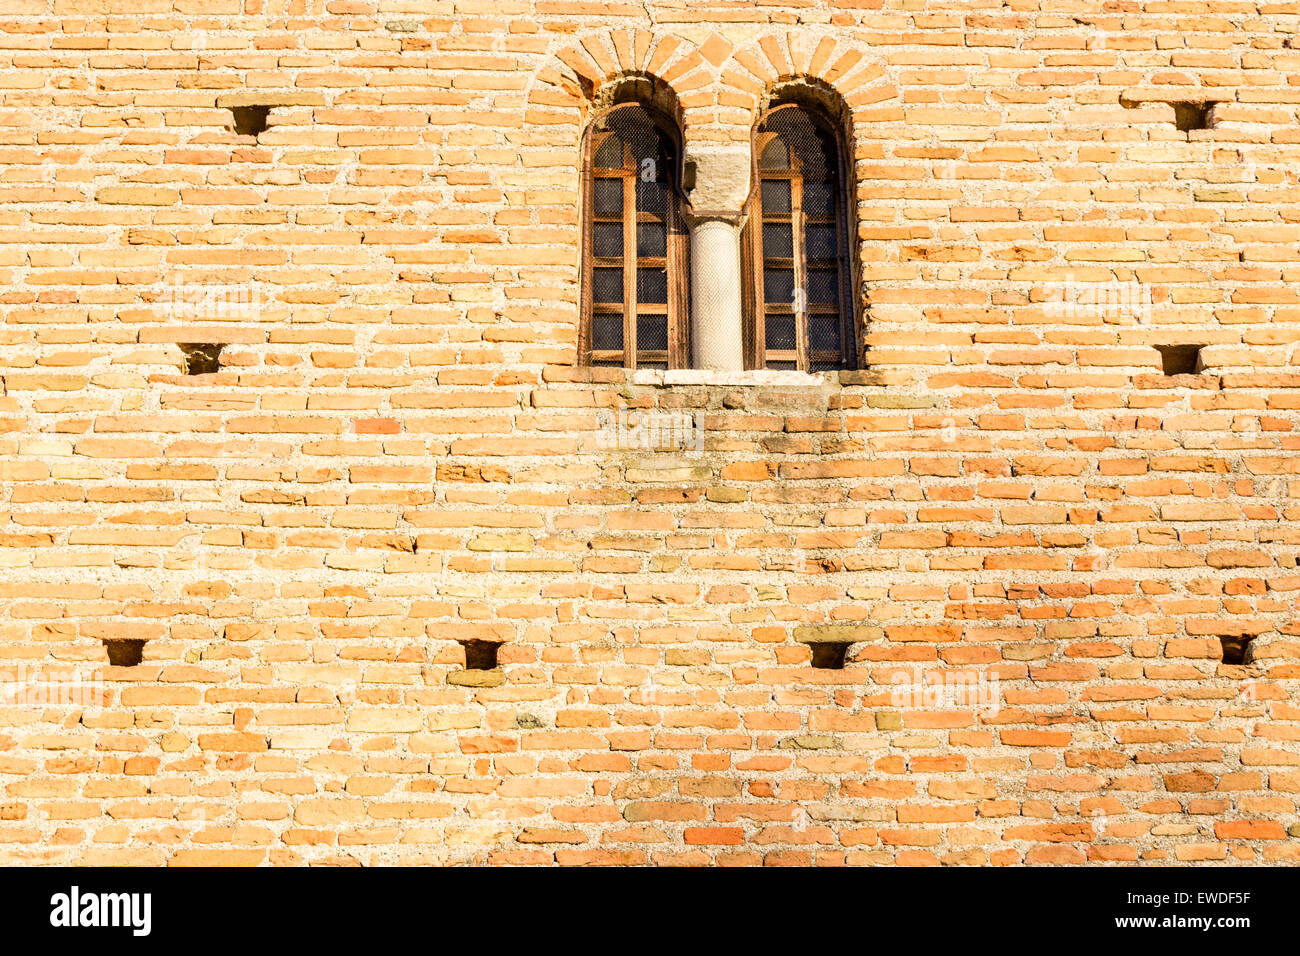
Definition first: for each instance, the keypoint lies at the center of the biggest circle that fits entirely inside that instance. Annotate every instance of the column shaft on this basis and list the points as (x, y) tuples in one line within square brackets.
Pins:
[(716, 333)]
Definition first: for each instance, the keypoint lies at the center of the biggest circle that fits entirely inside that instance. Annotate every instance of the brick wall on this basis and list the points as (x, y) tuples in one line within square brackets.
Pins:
[(1032, 541)]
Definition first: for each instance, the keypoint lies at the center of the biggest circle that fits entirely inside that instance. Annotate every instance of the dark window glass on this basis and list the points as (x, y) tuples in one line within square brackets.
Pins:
[(778, 287), (780, 331), (646, 141), (609, 196), (652, 285), (651, 239), (822, 286), (818, 199), (651, 196), (608, 285), (652, 333), (607, 239), (778, 240), (607, 331), (819, 242), (776, 196), (824, 331), (610, 154)]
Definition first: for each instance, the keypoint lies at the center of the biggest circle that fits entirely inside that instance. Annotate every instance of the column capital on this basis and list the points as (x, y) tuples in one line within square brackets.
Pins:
[(718, 178)]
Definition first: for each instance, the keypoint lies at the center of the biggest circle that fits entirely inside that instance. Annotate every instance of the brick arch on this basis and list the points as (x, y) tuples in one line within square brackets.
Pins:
[(751, 72), (578, 73)]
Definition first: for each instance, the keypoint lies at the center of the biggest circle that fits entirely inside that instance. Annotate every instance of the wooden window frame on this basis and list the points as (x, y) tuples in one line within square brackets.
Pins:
[(755, 263), (675, 262)]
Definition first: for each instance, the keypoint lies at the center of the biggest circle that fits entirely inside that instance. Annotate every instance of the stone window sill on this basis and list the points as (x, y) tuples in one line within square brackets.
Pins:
[(738, 377)]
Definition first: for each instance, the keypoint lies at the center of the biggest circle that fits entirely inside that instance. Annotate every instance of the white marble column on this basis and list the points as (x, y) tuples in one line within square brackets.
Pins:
[(716, 334)]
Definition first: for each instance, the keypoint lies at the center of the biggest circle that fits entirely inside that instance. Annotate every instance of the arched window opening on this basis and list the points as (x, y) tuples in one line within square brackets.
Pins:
[(634, 302), (797, 246)]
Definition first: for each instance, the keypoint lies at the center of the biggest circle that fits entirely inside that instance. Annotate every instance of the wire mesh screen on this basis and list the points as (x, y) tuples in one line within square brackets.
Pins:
[(635, 241), (797, 246)]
